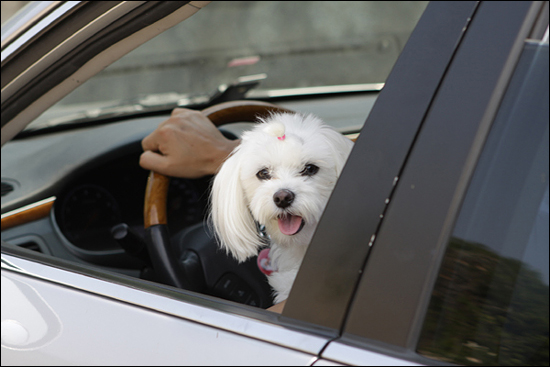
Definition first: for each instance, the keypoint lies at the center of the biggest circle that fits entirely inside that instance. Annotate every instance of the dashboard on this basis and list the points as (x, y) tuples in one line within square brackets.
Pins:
[(95, 177), (113, 194)]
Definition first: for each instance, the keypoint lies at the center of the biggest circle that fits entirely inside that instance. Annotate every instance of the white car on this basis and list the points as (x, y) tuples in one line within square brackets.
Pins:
[(433, 248)]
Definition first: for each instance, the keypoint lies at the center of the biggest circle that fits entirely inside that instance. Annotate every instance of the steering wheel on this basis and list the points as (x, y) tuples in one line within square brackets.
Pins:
[(166, 263)]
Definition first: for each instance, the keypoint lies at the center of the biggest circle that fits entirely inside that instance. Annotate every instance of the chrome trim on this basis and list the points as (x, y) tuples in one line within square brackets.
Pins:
[(36, 29), (185, 309), (66, 46), (28, 207), (330, 89), (6, 264), (26, 18)]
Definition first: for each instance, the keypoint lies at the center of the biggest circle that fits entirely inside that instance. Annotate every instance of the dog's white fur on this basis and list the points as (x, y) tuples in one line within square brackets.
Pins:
[(240, 198)]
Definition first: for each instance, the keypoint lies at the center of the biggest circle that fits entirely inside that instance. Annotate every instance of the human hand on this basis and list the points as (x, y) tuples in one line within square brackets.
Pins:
[(186, 145)]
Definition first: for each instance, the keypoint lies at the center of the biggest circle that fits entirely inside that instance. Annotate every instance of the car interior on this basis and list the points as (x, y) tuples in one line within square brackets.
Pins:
[(92, 175), (99, 186)]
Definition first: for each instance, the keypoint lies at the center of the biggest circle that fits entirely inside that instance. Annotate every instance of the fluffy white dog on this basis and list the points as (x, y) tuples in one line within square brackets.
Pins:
[(280, 177)]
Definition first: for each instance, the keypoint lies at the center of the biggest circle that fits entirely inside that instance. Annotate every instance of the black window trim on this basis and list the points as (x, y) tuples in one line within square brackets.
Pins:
[(340, 246), (414, 233)]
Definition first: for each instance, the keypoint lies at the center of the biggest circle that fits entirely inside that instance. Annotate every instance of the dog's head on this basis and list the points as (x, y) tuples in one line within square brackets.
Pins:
[(280, 176)]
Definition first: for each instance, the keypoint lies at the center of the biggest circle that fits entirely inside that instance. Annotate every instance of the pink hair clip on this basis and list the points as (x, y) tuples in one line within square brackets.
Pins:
[(276, 129)]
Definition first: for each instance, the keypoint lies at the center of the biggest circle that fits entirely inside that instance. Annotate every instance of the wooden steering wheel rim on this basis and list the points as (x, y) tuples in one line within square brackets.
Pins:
[(156, 192)]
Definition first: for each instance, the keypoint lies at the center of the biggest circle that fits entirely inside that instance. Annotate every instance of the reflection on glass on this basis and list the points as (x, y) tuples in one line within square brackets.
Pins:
[(487, 309), (490, 304)]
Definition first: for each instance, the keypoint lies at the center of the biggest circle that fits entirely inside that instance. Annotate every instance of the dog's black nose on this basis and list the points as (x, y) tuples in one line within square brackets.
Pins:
[(283, 198)]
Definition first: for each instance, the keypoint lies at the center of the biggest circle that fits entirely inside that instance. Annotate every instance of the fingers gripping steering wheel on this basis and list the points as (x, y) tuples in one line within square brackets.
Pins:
[(164, 262)]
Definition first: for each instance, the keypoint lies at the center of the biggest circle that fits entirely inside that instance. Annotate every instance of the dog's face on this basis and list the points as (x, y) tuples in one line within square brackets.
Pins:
[(281, 176), (287, 182)]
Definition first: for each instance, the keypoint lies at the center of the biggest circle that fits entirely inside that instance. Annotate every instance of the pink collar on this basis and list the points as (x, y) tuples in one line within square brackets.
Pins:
[(265, 264)]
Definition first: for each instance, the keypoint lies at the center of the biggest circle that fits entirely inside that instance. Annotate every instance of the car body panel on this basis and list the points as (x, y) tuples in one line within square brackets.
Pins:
[(91, 295), (47, 331)]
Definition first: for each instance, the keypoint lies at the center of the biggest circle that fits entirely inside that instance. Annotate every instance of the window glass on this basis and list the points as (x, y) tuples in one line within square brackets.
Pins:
[(294, 44), (490, 302)]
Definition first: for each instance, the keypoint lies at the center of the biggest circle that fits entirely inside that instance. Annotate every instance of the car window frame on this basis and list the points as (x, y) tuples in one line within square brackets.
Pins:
[(427, 199), (82, 38)]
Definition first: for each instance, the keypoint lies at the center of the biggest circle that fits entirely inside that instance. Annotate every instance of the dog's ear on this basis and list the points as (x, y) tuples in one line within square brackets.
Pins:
[(340, 147), (231, 219)]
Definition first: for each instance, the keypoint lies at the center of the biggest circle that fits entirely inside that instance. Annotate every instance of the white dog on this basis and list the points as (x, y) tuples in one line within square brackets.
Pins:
[(280, 177)]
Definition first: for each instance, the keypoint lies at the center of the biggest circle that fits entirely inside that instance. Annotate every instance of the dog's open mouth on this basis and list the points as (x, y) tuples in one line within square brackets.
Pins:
[(290, 224)]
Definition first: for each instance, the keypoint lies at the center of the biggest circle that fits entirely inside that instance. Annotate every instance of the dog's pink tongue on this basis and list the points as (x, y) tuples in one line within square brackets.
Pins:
[(290, 224)]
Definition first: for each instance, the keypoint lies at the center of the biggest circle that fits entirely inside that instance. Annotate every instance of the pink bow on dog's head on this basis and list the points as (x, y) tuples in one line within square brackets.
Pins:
[(276, 129)]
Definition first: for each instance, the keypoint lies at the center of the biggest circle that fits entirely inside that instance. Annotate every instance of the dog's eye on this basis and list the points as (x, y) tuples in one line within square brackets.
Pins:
[(263, 174), (309, 170)]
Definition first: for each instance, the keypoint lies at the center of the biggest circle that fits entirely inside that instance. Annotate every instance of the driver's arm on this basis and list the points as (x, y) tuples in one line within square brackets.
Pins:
[(186, 145)]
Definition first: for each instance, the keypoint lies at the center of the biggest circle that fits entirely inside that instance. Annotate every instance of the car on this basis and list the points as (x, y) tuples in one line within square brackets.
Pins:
[(433, 248)]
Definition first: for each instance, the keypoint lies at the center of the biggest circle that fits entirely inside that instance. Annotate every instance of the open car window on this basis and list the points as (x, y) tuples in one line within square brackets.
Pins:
[(303, 64)]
